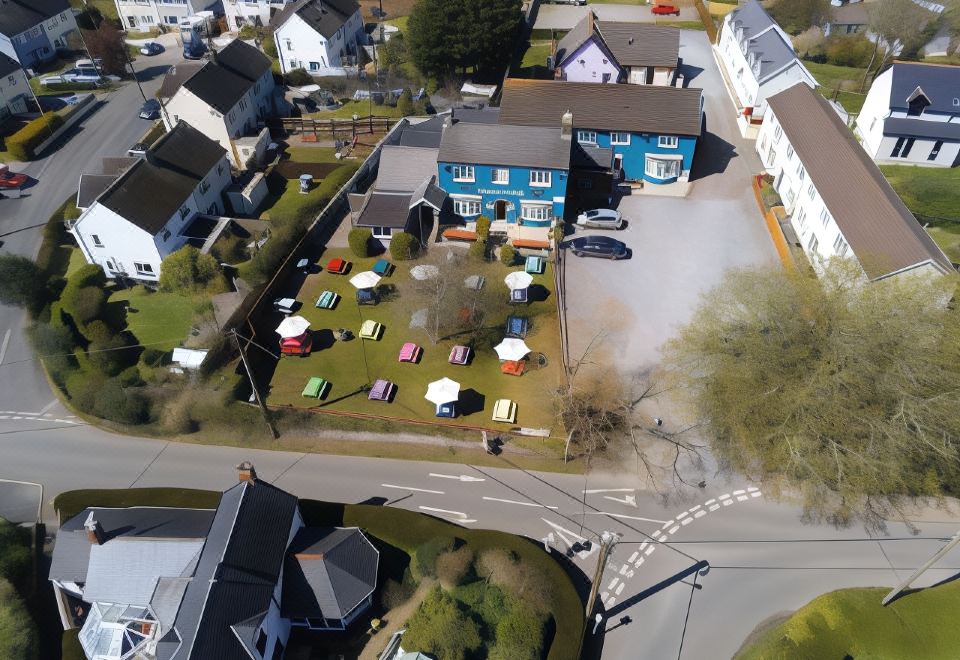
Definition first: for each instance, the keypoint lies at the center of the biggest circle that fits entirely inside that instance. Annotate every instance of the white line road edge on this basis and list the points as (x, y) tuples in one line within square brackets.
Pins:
[(418, 490), (3, 348), (497, 499)]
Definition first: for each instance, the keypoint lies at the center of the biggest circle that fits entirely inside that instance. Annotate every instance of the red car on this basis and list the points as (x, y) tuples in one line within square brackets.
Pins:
[(10, 179), (665, 10)]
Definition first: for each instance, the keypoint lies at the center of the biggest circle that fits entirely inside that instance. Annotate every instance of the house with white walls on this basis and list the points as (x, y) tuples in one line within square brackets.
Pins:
[(148, 211), (145, 15), (912, 115), (15, 92), (227, 98), (164, 583), (31, 31), (757, 60), (839, 202), (256, 13), (321, 36)]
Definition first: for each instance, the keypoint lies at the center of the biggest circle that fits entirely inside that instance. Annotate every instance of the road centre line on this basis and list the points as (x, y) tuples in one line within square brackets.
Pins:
[(608, 490), (497, 499), (623, 515), (456, 477), (3, 348), (419, 490), (435, 510)]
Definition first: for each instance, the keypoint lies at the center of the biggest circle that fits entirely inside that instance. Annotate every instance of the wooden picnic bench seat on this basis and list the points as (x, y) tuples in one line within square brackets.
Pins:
[(531, 244), (327, 300)]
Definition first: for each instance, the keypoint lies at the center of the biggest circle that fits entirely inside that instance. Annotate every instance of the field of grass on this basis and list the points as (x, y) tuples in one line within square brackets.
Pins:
[(947, 236), (533, 62), (287, 204), (929, 192), (851, 623), (349, 366), (400, 22), (158, 320), (845, 78)]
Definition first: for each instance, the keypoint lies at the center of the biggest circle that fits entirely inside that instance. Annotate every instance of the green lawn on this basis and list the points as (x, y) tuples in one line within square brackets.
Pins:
[(361, 108), (533, 63), (286, 205), (400, 22), (312, 154), (683, 25), (929, 192), (947, 236), (351, 365), (108, 9), (158, 320), (851, 623), (846, 78)]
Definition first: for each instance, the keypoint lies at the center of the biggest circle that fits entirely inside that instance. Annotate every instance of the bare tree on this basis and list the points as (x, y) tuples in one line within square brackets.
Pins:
[(897, 24)]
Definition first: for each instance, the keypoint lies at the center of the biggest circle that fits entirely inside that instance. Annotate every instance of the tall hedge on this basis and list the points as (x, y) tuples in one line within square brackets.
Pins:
[(404, 246), (359, 239), (22, 143)]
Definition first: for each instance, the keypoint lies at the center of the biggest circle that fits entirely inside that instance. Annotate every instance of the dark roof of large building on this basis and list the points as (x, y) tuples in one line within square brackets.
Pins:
[(91, 186), (920, 128), (881, 231), (151, 192), (631, 44), (385, 210), (71, 552), (329, 571), (17, 16), (507, 145), (8, 65), (222, 82), (633, 108), (177, 75), (940, 83), (324, 16)]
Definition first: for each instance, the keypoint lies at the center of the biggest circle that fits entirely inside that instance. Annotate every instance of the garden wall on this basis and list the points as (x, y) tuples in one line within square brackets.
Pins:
[(86, 105)]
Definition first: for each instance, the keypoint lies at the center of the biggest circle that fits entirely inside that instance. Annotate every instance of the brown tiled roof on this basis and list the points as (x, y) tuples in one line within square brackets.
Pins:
[(634, 108), (881, 231), (641, 44)]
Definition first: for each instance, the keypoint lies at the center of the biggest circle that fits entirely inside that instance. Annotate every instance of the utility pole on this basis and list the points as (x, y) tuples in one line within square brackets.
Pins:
[(253, 385), (917, 573), (607, 542)]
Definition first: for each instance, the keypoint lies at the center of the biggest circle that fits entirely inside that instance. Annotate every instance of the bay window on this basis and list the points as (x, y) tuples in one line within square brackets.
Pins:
[(535, 211), (662, 168), (466, 206)]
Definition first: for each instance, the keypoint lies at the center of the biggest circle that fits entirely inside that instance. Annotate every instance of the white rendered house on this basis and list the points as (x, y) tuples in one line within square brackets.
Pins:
[(839, 202), (143, 15), (757, 60), (321, 36), (912, 115), (31, 31), (252, 12), (14, 90), (147, 212), (226, 98)]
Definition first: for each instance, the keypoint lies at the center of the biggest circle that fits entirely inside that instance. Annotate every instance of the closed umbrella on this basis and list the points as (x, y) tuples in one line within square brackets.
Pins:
[(365, 280), (512, 348), (443, 391), (518, 280), (292, 326)]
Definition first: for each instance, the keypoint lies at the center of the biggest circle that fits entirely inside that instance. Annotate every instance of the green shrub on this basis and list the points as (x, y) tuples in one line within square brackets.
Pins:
[(84, 304), (848, 50), (298, 78), (53, 342), (483, 227), (22, 143), (15, 561), (359, 239), (441, 629), (153, 357), (405, 103), (404, 246), (453, 566), (394, 594), (187, 270), (248, 32), (425, 558), (18, 636), (106, 398), (519, 635), (22, 282), (478, 250), (113, 354), (508, 255)]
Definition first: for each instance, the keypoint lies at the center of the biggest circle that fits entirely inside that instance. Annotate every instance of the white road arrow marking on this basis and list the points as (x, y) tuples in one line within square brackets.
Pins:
[(497, 499), (609, 490), (419, 490), (455, 477), (624, 516), (453, 513), (629, 500)]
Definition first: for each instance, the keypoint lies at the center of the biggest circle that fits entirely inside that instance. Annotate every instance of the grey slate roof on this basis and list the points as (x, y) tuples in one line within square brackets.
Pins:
[(324, 16), (881, 231), (633, 108), (764, 38), (385, 210), (126, 570), (402, 169), (222, 82), (506, 145), (425, 134), (484, 115), (940, 84), (585, 157), (17, 16), (920, 128), (71, 552), (329, 571), (167, 177), (7, 65), (578, 34), (91, 185), (166, 599), (177, 75), (630, 44)]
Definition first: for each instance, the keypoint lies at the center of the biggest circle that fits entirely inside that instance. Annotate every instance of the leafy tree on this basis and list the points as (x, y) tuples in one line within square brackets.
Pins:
[(441, 629), (18, 636), (405, 104), (447, 36), (404, 246), (483, 227), (188, 269), (842, 390), (84, 297), (21, 281), (795, 16), (393, 54), (898, 23), (478, 250), (14, 552), (359, 239), (452, 566), (519, 635), (298, 77), (106, 43), (112, 354), (508, 255)]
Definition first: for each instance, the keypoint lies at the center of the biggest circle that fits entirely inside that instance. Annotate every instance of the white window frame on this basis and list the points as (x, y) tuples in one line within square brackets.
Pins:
[(811, 190), (825, 216), (500, 176), (802, 220), (464, 173), (382, 232), (586, 137), (652, 166), (617, 137), (467, 207), (840, 246), (143, 269), (777, 134), (789, 151), (668, 141), (96, 241), (543, 210), (541, 178)]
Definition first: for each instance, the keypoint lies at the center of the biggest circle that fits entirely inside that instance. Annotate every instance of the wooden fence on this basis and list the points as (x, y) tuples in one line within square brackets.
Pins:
[(316, 127)]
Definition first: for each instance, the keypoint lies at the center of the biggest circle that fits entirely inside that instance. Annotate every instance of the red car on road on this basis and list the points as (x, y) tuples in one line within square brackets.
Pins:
[(10, 179), (665, 10)]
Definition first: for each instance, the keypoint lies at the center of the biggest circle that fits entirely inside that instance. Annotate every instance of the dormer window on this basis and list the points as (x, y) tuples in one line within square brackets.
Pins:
[(918, 102)]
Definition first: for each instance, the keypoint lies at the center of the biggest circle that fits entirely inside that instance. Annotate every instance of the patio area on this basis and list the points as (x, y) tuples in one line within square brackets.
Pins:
[(352, 367)]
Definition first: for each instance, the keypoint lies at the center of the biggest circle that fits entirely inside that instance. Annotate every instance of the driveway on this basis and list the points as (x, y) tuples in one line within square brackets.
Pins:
[(564, 17), (681, 247)]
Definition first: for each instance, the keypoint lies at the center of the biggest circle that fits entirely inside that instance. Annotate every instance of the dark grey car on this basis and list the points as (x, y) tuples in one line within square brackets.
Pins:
[(598, 246)]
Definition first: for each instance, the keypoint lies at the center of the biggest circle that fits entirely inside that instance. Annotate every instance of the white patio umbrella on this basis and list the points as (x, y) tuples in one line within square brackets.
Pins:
[(292, 326), (424, 272), (365, 280), (442, 391), (511, 349), (518, 280)]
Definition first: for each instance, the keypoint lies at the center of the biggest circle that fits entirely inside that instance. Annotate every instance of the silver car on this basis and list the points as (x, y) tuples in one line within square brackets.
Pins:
[(601, 219)]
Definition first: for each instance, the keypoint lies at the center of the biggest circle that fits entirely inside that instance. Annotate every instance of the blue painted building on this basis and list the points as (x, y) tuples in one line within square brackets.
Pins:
[(652, 131), (515, 175)]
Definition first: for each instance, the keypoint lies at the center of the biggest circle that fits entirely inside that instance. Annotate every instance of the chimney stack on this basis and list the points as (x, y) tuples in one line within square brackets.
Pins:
[(246, 472), (95, 533), (566, 126)]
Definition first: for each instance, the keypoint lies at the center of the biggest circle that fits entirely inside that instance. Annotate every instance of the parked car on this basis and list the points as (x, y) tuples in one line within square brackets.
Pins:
[(10, 179), (193, 50), (139, 149), (151, 48), (601, 219), (150, 109), (665, 10), (598, 246)]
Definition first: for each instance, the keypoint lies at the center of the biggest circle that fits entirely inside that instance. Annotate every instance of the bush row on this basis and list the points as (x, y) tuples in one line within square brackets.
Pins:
[(22, 143)]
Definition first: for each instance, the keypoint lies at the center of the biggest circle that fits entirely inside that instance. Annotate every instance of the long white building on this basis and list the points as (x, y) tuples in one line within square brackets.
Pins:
[(144, 15), (839, 202)]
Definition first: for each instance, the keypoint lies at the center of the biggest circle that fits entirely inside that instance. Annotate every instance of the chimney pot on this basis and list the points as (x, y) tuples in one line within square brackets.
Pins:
[(246, 472), (95, 533), (566, 125)]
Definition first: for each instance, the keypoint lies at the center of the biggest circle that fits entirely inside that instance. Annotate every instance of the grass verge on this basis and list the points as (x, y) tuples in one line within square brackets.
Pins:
[(840, 81), (71, 502), (929, 192)]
